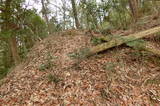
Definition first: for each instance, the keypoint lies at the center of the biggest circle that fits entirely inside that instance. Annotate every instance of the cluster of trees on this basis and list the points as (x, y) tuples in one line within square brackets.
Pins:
[(20, 27)]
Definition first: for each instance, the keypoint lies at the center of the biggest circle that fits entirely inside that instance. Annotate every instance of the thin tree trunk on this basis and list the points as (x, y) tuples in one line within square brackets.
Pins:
[(44, 13), (14, 50), (64, 13), (64, 19), (134, 7), (75, 14)]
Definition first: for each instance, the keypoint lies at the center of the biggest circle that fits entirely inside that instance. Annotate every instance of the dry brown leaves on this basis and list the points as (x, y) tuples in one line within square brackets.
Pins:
[(116, 77)]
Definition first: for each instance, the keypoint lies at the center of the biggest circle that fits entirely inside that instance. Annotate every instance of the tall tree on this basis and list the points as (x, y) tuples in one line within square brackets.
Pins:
[(45, 14), (64, 7), (75, 14), (8, 26), (19, 29)]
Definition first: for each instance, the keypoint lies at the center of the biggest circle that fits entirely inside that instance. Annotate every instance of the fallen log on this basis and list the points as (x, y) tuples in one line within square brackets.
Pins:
[(144, 45), (121, 40), (150, 48)]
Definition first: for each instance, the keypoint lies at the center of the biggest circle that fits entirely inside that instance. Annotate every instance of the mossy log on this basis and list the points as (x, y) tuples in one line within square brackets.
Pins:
[(122, 40), (145, 45)]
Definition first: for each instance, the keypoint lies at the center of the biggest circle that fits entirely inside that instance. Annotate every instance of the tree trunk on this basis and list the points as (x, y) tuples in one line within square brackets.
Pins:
[(14, 50), (120, 41), (64, 13), (6, 26), (44, 13), (134, 7), (75, 14)]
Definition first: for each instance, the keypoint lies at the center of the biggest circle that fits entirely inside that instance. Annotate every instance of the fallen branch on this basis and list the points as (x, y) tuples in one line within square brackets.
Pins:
[(147, 46), (121, 40)]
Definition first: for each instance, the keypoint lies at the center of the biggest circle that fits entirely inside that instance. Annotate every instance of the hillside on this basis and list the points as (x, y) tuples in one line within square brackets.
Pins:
[(51, 75)]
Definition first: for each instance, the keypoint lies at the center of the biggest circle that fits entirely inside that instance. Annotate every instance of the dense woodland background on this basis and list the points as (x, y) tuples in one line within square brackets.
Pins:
[(22, 26)]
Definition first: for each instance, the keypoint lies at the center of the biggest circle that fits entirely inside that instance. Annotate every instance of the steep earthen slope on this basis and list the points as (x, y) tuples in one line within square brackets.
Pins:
[(52, 75)]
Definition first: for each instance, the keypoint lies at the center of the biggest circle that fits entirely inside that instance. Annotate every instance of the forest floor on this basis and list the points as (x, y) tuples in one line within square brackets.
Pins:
[(51, 75)]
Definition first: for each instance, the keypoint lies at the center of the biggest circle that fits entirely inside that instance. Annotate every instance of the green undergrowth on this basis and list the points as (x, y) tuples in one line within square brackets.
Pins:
[(96, 41), (3, 73), (155, 80), (82, 53), (48, 64), (137, 44), (110, 66), (45, 66), (54, 78)]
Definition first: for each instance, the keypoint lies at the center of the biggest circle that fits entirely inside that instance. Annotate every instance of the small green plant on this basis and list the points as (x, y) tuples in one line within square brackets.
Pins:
[(73, 55), (110, 66), (139, 54), (54, 78), (136, 54), (155, 80), (138, 44), (45, 66), (104, 93), (96, 41), (48, 64), (80, 54)]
